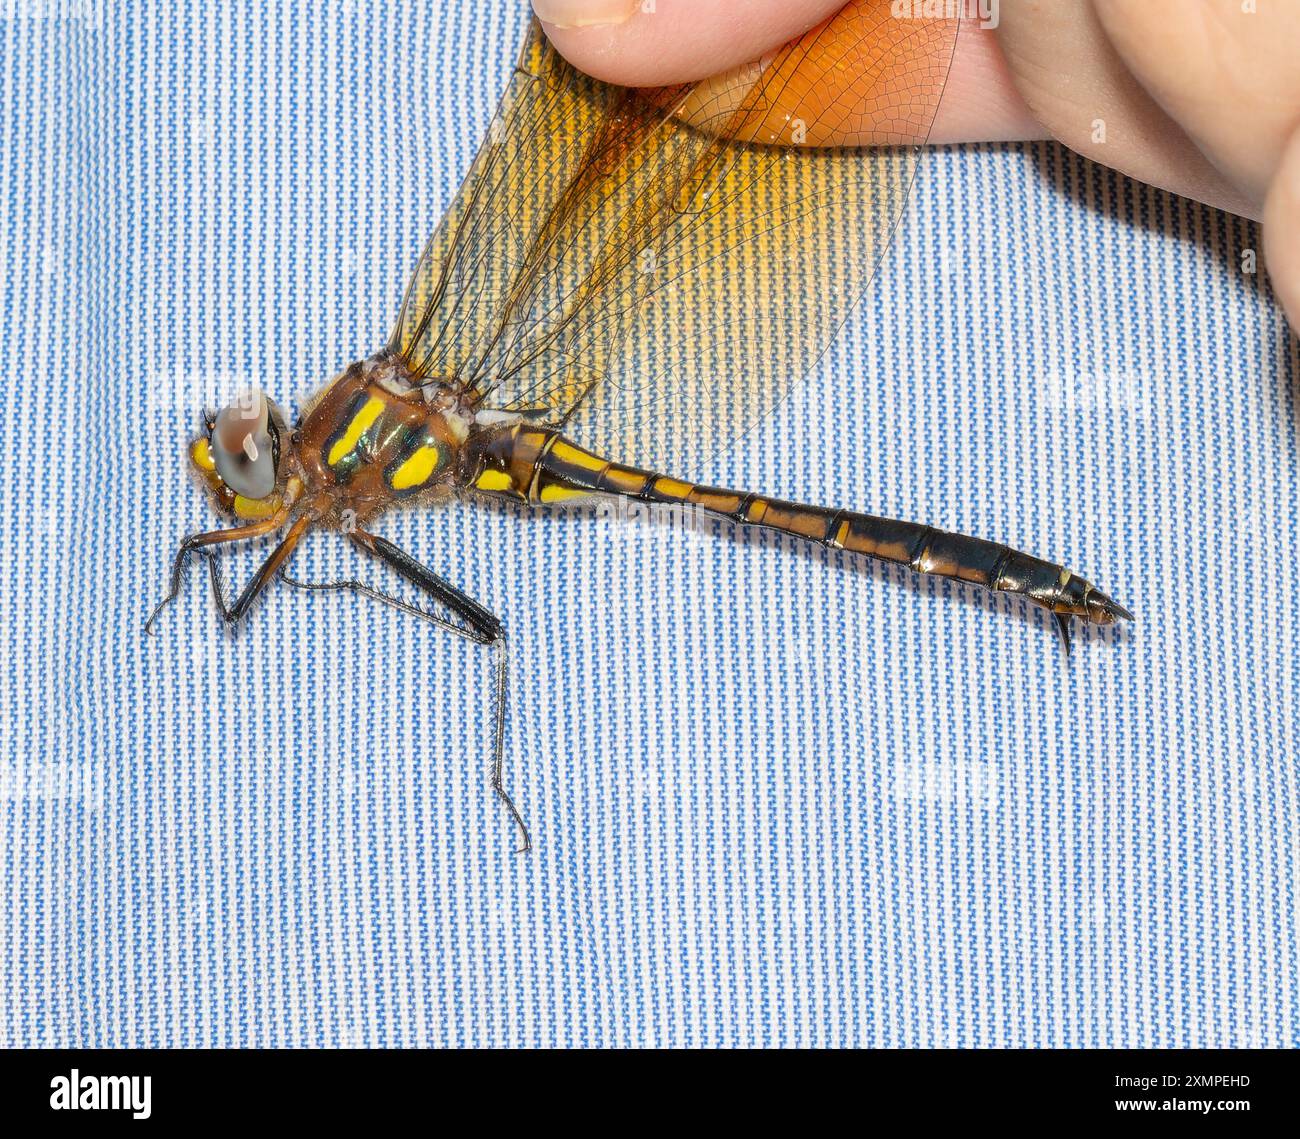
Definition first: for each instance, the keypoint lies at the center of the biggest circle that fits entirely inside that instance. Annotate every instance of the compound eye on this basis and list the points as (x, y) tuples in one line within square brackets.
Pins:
[(242, 448)]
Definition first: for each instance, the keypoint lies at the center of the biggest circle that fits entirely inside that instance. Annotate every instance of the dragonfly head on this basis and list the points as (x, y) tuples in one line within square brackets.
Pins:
[(241, 459)]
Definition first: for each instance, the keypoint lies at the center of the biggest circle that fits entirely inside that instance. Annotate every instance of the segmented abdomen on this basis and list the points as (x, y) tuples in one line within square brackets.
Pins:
[(540, 466)]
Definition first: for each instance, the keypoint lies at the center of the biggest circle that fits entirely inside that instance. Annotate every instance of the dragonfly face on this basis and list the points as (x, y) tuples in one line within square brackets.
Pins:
[(242, 458)]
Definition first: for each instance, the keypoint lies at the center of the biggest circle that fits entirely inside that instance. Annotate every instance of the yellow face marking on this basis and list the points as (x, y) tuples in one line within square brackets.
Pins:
[(672, 488), (492, 479), (370, 411), (253, 508), (201, 455), (417, 469), (554, 493), (576, 457)]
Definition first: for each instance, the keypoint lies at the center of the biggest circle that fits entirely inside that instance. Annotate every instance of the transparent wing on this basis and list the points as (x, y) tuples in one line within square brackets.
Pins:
[(654, 270)]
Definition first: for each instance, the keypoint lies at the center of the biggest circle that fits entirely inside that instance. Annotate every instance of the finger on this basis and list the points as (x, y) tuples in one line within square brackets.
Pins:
[(635, 44), (1282, 230), (638, 44), (1227, 71), (980, 101), (1077, 85)]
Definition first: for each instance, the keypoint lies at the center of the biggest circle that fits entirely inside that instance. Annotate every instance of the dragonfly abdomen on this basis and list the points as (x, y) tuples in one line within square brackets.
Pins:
[(921, 548), (542, 467)]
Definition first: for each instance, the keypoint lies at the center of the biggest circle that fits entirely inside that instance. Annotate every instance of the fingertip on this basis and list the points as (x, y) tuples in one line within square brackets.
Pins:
[(980, 100), (651, 43), (656, 43)]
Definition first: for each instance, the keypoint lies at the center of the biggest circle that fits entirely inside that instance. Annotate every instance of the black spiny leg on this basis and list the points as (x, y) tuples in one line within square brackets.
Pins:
[(232, 613), (211, 538), (473, 623)]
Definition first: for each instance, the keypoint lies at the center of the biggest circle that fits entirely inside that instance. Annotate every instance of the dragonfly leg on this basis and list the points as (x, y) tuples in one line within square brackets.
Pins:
[(210, 538), (472, 622), (231, 614)]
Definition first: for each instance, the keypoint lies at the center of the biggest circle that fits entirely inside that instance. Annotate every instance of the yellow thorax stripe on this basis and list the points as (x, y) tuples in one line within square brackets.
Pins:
[(369, 412), (417, 469)]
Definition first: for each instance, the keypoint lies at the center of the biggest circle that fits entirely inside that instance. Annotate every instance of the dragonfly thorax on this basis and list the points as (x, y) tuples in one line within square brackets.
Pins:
[(377, 434)]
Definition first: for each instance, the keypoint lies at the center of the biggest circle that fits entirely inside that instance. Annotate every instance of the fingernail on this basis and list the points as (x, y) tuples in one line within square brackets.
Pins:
[(584, 13)]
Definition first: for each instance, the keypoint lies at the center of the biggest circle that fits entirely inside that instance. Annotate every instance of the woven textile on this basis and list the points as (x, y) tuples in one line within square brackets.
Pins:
[(778, 797)]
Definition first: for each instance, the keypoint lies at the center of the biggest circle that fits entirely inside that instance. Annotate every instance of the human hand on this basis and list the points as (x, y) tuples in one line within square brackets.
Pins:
[(1201, 97)]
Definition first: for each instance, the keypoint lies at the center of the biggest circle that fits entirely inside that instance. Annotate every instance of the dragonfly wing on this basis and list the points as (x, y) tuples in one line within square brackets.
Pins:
[(472, 288), (654, 270)]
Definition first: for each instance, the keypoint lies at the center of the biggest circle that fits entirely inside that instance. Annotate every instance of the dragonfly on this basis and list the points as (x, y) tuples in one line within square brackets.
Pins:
[(623, 274)]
